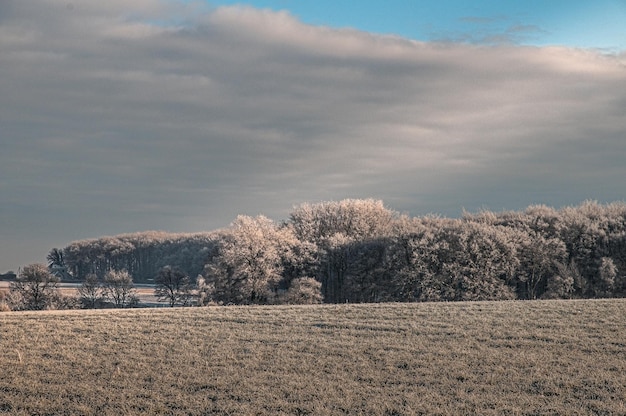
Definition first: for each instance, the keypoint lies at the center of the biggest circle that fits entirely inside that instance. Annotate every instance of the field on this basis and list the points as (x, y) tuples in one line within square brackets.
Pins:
[(488, 358)]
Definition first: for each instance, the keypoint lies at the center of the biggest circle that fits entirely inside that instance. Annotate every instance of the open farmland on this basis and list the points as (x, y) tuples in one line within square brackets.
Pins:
[(513, 358)]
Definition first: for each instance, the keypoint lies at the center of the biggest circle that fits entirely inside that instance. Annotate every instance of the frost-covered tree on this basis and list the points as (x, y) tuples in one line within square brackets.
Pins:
[(248, 265), (561, 284), (303, 291), (205, 290), (475, 262), (608, 274), (141, 254), (442, 259), (333, 227), (356, 219), (119, 289), (299, 258), (540, 258), (360, 251), (34, 289)]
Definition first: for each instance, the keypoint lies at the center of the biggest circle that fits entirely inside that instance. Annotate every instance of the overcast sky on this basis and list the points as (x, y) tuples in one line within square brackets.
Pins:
[(120, 116)]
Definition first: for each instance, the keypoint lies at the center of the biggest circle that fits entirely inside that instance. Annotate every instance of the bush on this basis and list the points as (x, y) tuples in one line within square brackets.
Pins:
[(4, 307), (66, 302), (303, 291)]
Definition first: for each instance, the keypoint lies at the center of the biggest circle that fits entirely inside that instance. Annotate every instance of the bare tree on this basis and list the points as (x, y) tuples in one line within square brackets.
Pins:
[(35, 288), (174, 286), (91, 292), (119, 288)]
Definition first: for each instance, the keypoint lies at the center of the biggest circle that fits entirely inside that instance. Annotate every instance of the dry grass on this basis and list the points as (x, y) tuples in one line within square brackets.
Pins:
[(499, 358)]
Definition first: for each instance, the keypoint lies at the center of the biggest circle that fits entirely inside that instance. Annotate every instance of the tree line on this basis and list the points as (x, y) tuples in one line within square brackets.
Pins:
[(358, 250), (361, 251), (142, 255)]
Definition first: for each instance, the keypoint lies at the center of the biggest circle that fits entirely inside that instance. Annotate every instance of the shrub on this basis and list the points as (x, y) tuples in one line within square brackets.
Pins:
[(303, 291)]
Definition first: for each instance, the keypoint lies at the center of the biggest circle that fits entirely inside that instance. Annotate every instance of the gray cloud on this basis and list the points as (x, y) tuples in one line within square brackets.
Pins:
[(118, 118)]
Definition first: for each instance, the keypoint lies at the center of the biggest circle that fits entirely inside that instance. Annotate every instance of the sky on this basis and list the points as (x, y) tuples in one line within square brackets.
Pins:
[(120, 116)]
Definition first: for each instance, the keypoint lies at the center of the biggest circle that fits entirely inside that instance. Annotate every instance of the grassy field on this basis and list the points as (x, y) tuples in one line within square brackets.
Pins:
[(488, 358)]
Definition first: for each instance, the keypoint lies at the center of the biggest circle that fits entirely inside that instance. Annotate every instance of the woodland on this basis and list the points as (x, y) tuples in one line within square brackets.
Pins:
[(360, 251)]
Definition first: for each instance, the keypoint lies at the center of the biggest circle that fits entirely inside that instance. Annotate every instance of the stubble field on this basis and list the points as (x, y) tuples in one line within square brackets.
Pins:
[(489, 358)]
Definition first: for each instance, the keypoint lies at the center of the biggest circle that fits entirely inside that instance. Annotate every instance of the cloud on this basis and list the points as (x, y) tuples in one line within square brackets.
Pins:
[(492, 30), (119, 118)]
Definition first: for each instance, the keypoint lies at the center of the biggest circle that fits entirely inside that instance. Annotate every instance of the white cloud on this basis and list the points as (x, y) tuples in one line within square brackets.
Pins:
[(119, 117)]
